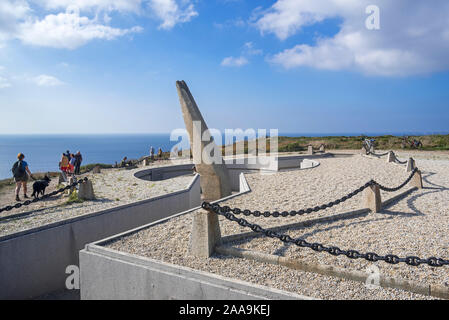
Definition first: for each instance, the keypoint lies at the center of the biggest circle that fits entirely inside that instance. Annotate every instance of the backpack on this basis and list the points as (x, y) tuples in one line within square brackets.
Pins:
[(18, 170)]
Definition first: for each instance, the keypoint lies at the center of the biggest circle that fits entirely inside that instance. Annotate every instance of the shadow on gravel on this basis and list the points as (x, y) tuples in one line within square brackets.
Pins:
[(41, 211)]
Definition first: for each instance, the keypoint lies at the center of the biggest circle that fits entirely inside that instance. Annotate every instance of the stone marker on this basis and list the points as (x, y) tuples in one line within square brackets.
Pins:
[(214, 177), (62, 178), (391, 157), (310, 150), (322, 148), (206, 234), (417, 180), (372, 199), (96, 169), (410, 165), (86, 191)]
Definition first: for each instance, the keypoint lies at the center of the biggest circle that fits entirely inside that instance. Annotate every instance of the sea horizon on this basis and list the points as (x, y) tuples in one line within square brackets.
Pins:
[(43, 151)]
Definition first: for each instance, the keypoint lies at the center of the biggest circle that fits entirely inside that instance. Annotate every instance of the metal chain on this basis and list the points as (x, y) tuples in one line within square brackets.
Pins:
[(325, 206), (318, 247), (398, 161), (45, 196), (400, 186), (377, 154)]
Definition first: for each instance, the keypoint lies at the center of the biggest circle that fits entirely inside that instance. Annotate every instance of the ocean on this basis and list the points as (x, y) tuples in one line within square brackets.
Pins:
[(43, 152)]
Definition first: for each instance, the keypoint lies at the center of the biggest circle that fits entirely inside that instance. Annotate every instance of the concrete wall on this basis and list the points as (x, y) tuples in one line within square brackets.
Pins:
[(109, 274), (163, 173), (93, 287), (33, 262)]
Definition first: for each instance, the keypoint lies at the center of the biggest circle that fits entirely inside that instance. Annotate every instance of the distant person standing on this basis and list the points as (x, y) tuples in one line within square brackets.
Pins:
[(159, 154), (67, 154), (78, 161), (64, 164), (72, 163), (152, 153), (20, 172), (124, 162)]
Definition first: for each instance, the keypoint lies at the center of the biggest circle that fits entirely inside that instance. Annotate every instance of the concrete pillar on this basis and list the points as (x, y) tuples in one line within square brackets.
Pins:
[(410, 165), (310, 150), (86, 191), (417, 180), (205, 235), (62, 178), (372, 199), (391, 157)]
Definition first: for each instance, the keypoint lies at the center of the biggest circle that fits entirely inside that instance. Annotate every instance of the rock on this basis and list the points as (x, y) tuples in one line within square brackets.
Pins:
[(96, 169)]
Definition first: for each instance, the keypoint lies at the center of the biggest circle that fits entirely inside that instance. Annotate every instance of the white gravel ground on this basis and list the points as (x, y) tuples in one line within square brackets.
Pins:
[(417, 225), (112, 187)]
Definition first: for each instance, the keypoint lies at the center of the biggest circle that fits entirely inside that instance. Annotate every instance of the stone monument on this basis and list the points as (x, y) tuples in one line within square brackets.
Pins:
[(214, 177), (215, 181)]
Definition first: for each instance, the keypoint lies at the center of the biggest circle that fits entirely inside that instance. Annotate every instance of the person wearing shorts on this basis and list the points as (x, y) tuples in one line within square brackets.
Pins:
[(21, 180)]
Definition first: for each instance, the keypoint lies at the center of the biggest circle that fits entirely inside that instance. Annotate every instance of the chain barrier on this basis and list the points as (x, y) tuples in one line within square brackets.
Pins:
[(331, 204), (399, 161), (45, 196), (318, 247), (377, 154)]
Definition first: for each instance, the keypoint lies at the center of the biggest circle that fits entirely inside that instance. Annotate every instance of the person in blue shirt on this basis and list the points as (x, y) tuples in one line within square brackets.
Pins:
[(21, 172)]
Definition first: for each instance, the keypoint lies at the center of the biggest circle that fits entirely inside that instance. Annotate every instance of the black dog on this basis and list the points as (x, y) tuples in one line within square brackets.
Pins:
[(39, 186)]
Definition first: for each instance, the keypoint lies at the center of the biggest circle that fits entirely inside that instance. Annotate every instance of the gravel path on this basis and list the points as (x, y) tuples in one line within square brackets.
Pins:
[(112, 187), (416, 225)]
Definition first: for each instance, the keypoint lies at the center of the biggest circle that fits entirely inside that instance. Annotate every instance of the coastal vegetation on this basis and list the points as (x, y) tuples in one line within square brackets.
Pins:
[(385, 142)]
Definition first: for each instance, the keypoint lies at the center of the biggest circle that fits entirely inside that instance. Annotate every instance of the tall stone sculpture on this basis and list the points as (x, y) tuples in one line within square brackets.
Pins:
[(215, 181)]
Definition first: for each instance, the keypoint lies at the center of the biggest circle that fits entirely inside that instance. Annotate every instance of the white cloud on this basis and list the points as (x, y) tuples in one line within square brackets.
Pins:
[(4, 83), (10, 12), (67, 30), (413, 36), (234, 62), (44, 80), (173, 12), (70, 24), (106, 5), (249, 49)]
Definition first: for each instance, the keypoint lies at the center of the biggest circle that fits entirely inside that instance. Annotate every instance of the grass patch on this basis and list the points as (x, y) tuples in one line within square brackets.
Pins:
[(73, 198), (386, 142), (89, 167)]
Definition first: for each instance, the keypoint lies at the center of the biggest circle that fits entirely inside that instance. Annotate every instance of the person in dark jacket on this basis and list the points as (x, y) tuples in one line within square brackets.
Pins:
[(78, 161)]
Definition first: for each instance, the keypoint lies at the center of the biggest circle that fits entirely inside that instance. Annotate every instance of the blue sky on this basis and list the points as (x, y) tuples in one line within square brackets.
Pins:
[(108, 66)]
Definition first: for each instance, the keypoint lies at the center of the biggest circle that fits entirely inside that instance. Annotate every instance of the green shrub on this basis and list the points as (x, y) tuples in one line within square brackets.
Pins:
[(73, 198)]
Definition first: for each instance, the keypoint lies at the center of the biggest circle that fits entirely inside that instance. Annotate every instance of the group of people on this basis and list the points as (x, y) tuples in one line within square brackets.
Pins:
[(71, 163), (159, 153)]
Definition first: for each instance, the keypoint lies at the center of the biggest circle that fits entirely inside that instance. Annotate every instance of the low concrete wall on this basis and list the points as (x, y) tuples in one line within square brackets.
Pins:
[(109, 274), (164, 173), (33, 262)]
